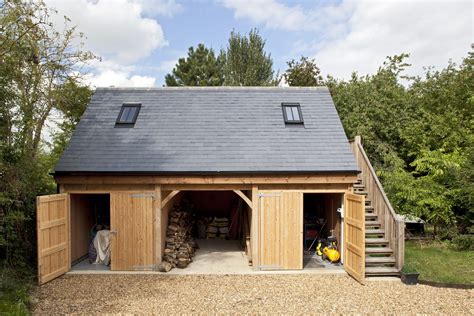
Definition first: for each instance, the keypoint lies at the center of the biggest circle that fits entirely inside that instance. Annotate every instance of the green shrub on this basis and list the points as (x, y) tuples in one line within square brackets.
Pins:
[(463, 242), (447, 233), (409, 268)]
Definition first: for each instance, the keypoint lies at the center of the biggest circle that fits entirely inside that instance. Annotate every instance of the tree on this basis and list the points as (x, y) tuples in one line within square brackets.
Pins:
[(419, 136), (40, 83), (246, 62), (303, 73), (200, 68)]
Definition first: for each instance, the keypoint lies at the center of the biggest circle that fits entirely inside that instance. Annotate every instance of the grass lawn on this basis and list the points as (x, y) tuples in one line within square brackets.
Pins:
[(436, 262), (14, 296)]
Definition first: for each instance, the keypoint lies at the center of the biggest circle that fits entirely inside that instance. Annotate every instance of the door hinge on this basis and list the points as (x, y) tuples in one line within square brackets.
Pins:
[(141, 195), (268, 194)]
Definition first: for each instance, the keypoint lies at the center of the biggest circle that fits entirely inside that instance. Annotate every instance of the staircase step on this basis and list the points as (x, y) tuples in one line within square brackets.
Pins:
[(382, 260), (374, 231), (378, 250), (369, 207), (370, 215), (373, 223), (376, 241), (381, 271), (361, 193)]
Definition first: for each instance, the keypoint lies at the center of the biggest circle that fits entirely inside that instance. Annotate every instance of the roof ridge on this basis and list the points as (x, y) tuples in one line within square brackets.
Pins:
[(214, 88)]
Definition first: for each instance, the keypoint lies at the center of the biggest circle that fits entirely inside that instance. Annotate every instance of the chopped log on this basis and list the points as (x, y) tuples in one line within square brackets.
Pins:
[(165, 267)]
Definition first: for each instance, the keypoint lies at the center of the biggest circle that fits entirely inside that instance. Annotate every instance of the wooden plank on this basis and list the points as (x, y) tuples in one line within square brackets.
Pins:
[(183, 180), (157, 219), (53, 223), (82, 188), (291, 226), (244, 197), (168, 198), (308, 188), (132, 221), (254, 227), (79, 188), (53, 231), (206, 187), (354, 236), (270, 230), (54, 249), (281, 224)]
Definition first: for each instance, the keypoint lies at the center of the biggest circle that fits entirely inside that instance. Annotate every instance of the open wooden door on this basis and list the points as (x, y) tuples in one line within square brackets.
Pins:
[(281, 230), (52, 223), (131, 221), (354, 236)]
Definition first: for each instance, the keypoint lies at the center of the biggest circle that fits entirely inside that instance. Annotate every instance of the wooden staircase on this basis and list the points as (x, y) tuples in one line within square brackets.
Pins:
[(384, 229), (379, 257)]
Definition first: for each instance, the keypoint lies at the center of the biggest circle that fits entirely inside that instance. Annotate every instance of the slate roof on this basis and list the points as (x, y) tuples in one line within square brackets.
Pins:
[(209, 130)]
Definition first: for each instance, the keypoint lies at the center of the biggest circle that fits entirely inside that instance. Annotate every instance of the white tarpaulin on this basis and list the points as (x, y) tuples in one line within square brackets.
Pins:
[(102, 246)]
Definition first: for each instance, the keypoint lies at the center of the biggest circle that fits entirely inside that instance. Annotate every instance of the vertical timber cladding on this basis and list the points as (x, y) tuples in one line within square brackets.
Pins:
[(354, 236), (132, 224), (281, 230), (52, 218)]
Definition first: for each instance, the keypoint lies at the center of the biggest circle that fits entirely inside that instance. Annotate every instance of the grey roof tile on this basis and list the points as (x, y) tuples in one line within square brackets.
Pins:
[(209, 129)]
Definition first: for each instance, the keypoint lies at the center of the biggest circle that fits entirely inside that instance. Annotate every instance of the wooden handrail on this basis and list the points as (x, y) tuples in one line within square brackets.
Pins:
[(377, 181), (392, 223)]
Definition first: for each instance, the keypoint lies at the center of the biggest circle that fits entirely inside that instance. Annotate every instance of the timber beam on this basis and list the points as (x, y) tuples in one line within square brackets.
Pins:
[(244, 197), (169, 197)]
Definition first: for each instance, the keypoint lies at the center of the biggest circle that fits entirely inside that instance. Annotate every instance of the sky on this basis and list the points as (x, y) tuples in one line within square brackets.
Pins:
[(140, 41)]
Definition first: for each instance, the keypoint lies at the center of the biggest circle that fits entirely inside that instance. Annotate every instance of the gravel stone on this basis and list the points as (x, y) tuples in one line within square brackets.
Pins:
[(256, 294)]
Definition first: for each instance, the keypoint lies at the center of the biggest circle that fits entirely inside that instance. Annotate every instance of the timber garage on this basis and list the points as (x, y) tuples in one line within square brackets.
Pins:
[(151, 173)]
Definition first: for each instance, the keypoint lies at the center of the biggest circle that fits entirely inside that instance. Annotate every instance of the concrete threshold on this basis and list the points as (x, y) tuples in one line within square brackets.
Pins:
[(214, 257)]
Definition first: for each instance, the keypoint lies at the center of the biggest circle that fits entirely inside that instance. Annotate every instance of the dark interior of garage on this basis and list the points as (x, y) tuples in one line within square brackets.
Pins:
[(205, 226), (321, 227), (90, 214)]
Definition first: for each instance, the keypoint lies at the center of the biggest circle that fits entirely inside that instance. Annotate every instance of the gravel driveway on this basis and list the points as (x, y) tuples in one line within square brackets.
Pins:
[(317, 294)]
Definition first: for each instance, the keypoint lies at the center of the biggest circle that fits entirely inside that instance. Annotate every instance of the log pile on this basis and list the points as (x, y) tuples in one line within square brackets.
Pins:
[(180, 246)]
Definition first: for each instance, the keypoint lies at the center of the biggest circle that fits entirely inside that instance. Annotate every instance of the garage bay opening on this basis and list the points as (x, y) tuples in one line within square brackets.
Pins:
[(90, 231), (322, 234), (206, 232)]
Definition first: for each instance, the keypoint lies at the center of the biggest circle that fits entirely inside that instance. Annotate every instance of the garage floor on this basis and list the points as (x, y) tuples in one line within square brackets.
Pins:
[(217, 256), (84, 265)]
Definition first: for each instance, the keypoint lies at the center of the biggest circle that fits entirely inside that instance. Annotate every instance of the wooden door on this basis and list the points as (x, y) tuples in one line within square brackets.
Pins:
[(354, 236), (52, 223), (281, 230), (131, 221)]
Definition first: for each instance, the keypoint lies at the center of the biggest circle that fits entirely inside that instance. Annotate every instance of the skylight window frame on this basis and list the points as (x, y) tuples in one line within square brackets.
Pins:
[(285, 117), (119, 123)]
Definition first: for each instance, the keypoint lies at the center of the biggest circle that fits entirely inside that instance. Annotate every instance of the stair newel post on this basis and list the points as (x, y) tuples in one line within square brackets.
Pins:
[(357, 141), (400, 244)]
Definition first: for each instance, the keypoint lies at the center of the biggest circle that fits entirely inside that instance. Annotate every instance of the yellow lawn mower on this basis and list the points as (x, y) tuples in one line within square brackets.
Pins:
[(327, 249)]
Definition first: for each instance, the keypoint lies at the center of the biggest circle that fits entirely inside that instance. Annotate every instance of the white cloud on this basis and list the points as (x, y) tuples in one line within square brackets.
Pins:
[(275, 15), (358, 35), (166, 8), (431, 32), (118, 31), (109, 78)]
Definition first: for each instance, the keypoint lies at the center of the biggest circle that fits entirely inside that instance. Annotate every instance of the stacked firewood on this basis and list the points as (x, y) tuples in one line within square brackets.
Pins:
[(180, 246)]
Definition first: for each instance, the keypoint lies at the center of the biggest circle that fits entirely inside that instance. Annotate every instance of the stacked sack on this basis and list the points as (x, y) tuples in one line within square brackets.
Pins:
[(218, 228)]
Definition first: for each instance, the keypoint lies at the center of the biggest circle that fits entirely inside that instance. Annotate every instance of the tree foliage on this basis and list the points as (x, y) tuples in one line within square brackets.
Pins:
[(200, 68), (419, 135), (303, 73), (40, 88), (245, 61)]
